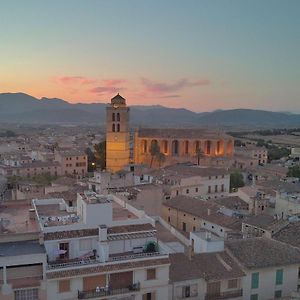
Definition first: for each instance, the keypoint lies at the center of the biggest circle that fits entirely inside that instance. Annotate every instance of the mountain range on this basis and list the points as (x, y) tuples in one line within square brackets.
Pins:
[(23, 108)]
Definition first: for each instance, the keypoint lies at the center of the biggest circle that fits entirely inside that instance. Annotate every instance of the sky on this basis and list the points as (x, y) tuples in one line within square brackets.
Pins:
[(202, 55)]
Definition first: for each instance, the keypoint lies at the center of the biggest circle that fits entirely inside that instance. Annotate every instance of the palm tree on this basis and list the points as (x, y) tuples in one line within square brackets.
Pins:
[(154, 151), (200, 154)]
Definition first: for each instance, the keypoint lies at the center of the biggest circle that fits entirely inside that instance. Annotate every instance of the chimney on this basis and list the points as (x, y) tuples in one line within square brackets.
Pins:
[(102, 233), (207, 235)]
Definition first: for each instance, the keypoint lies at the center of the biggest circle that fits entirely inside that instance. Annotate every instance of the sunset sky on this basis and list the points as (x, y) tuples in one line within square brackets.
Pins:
[(201, 55)]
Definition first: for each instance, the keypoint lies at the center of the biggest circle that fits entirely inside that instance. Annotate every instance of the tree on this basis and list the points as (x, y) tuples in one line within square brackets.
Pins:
[(100, 154), (236, 180), (91, 159), (161, 158), (294, 172), (156, 154)]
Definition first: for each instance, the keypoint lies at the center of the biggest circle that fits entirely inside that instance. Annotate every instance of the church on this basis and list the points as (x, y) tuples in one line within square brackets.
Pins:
[(175, 144)]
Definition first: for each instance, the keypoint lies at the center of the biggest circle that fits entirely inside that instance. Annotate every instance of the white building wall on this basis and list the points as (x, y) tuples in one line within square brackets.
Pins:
[(267, 282)]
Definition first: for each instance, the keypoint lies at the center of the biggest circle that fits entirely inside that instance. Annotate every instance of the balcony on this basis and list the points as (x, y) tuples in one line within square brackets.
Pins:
[(131, 255), (76, 262), (105, 292), (225, 295)]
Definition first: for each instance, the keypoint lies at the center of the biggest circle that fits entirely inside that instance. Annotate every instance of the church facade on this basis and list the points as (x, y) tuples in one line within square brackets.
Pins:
[(174, 144)]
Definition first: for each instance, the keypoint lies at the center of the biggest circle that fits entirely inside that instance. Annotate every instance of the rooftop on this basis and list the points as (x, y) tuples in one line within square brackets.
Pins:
[(184, 171), (14, 217), (262, 221), (209, 266), (290, 234), (232, 202), (21, 248), (262, 252), (179, 133), (206, 210)]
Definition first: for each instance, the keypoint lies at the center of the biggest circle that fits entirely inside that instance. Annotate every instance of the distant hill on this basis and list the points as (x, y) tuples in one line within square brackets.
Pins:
[(23, 108)]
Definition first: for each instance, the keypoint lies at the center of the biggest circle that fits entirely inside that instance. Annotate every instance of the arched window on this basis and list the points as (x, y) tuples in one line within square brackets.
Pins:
[(165, 146), (113, 127), (220, 147), (175, 147), (118, 127), (113, 117), (118, 117), (207, 147)]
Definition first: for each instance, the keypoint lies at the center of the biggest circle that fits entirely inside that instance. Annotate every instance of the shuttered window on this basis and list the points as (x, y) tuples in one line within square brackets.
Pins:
[(64, 286), (254, 280), (279, 276)]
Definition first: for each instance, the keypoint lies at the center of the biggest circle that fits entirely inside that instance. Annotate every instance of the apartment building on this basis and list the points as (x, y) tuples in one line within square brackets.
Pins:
[(189, 180), (73, 162), (23, 258), (206, 272), (188, 214), (98, 249), (271, 267)]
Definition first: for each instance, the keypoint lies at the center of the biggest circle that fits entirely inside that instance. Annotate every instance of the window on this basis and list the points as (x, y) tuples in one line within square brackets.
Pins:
[(169, 219), (183, 226), (113, 117), (232, 283), (177, 193), (222, 188), (151, 274), (194, 228), (28, 294), (254, 280), (118, 117), (254, 297), (187, 191), (113, 127), (279, 277), (186, 291), (196, 190), (216, 188), (118, 127), (64, 286), (209, 189), (277, 294)]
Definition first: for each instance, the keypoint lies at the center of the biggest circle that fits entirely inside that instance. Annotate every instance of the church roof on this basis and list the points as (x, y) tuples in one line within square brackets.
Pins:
[(118, 99), (181, 133)]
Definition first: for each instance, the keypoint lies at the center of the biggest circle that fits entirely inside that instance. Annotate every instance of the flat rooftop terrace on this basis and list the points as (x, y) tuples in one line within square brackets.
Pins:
[(52, 215), (121, 213), (14, 218)]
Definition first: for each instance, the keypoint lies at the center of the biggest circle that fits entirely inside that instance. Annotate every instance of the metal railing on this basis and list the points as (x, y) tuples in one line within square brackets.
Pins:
[(134, 256), (71, 263), (104, 292), (224, 295)]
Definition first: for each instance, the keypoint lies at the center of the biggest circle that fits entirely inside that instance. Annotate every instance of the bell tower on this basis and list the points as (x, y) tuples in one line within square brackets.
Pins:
[(117, 134)]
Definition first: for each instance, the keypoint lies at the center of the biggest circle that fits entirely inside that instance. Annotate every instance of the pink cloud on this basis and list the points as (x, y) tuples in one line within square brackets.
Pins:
[(82, 80), (100, 90), (161, 87), (110, 82)]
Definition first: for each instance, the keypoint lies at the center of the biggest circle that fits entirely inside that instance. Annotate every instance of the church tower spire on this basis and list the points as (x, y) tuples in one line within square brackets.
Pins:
[(117, 134)]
